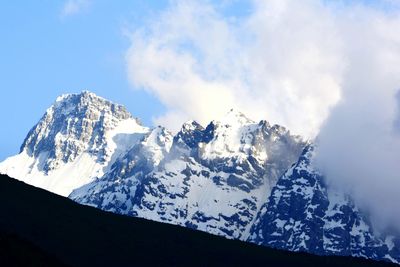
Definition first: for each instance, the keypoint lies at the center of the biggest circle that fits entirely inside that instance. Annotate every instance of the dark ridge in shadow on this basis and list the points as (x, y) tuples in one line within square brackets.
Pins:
[(54, 230), (15, 251)]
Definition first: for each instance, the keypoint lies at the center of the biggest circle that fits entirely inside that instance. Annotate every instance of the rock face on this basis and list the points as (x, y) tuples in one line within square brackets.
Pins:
[(235, 177), (304, 214), (74, 124)]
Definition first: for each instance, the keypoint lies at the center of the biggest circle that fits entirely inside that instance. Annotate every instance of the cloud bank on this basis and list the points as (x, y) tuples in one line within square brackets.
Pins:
[(319, 67), (277, 63), (359, 144)]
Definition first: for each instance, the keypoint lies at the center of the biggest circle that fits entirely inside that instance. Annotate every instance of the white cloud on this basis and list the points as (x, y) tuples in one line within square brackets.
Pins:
[(73, 7), (359, 144), (308, 65), (277, 64)]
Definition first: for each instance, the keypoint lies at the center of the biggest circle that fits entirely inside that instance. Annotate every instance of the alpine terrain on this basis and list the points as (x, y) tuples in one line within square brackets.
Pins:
[(235, 177)]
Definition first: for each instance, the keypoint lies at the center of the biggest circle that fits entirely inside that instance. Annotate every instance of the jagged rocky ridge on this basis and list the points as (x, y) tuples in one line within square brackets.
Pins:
[(235, 177), (213, 179)]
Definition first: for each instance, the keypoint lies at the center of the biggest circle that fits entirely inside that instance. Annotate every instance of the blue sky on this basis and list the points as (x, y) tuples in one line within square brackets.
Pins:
[(45, 54), (46, 51)]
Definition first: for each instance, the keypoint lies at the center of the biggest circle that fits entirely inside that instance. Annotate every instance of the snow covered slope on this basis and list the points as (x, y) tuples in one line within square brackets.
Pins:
[(304, 214), (74, 142), (213, 179)]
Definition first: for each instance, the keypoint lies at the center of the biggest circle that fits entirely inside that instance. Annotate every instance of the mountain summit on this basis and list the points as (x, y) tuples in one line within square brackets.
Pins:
[(74, 142), (235, 177)]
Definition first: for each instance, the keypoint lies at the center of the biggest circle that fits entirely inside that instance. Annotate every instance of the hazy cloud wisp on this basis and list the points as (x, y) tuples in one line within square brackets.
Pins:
[(73, 7)]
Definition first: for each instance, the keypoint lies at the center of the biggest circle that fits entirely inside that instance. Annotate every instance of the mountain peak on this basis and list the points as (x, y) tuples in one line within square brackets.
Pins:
[(84, 94), (87, 104), (234, 117), (191, 125), (73, 124), (235, 112), (78, 132)]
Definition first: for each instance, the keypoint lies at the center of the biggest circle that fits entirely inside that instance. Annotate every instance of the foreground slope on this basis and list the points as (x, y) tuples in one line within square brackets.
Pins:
[(15, 251), (83, 236)]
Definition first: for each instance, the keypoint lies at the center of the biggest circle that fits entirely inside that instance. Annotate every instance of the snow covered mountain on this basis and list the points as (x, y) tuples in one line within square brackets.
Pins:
[(76, 140), (235, 177), (213, 179)]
